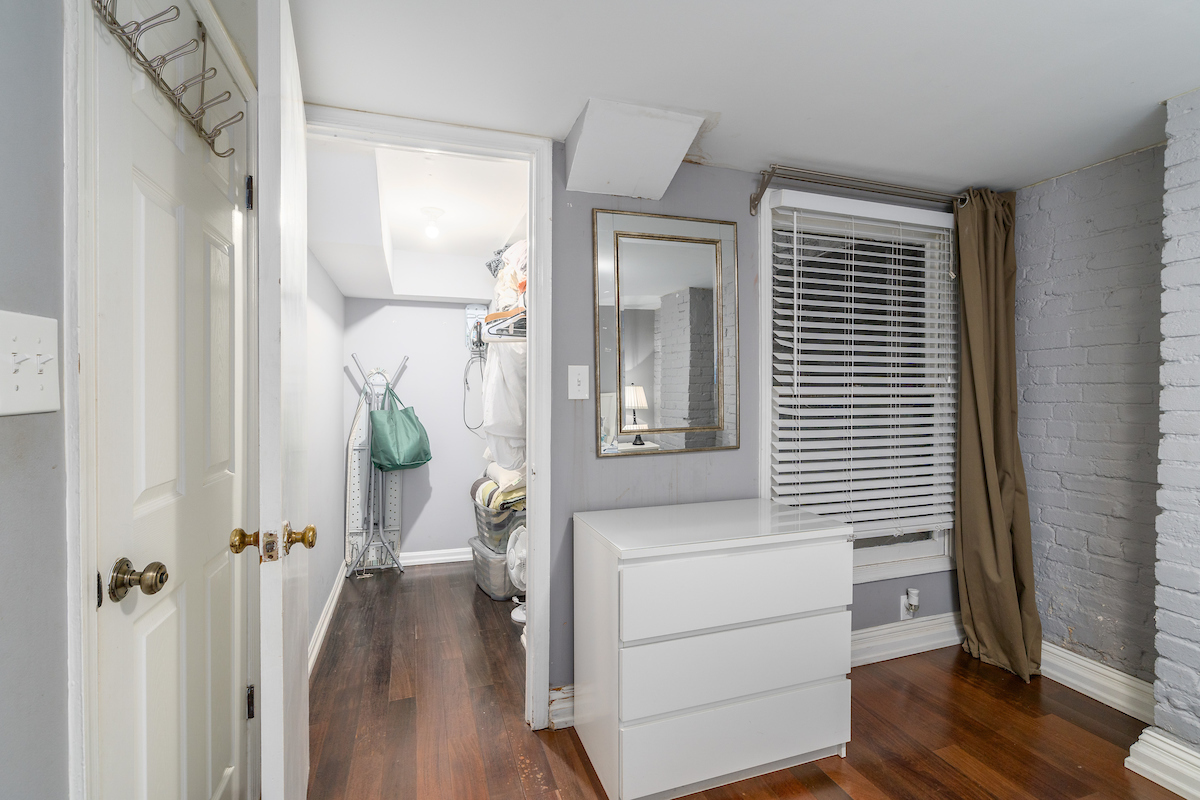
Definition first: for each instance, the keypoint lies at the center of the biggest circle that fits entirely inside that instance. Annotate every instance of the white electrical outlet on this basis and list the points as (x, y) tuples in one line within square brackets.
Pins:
[(28, 364), (906, 611), (577, 383)]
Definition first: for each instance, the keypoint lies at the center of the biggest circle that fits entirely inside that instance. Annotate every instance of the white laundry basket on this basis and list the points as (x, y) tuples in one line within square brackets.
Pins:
[(491, 571)]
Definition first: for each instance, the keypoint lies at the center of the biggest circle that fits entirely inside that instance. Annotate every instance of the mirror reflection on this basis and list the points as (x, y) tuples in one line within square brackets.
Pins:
[(666, 338)]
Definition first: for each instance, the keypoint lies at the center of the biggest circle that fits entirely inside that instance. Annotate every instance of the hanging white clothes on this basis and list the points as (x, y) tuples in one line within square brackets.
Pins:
[(504, 374), (504, 403)]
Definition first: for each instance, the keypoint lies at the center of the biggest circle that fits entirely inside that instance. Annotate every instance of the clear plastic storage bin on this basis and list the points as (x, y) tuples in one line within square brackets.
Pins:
[(496, 526), (491, 571)]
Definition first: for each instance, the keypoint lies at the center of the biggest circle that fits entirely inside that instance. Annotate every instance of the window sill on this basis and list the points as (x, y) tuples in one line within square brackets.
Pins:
[(869, 573)]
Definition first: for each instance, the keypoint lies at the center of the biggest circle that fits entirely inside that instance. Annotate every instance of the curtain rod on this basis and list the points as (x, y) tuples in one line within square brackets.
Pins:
[(846, 182)]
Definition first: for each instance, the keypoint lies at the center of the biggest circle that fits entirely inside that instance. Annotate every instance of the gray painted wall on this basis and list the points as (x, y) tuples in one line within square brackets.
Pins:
[(583, 482), (33, 615), (326, 444), (1178, 570), (437, 511), (1088, 260)]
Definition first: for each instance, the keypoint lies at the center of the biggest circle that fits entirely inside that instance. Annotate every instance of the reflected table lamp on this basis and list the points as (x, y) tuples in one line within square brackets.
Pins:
[(635, 398)]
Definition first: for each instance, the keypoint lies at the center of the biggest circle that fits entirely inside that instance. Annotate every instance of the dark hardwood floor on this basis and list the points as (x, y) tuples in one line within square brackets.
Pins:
[(418, 693)]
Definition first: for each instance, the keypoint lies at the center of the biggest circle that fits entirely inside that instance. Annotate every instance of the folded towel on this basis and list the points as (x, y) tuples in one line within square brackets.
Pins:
[(485, 492), (504, 500), (475, 486), (506, 479)]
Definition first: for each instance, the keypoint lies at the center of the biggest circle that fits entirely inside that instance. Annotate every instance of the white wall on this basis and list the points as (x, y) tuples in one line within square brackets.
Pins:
[(437, 511), (326, 441)]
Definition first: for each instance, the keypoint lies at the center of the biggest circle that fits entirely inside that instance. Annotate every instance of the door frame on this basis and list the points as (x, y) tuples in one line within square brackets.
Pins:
[(537, 152), (80, 161)]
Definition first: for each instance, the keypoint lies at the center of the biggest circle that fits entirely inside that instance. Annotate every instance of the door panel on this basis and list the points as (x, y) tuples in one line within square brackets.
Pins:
[(283, 269), (169, 386)]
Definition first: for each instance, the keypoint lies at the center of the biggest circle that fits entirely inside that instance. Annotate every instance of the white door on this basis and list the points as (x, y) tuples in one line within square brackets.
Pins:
[(283, 245), (169, 383)]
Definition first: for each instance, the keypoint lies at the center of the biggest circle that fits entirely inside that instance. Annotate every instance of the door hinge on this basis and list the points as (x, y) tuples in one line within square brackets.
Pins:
[(249, 192), (250, 701), (99, 590)]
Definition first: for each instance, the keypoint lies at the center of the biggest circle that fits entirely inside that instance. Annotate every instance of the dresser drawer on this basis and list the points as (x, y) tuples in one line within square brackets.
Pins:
[(714, 667), (689, 748), (696, 592)]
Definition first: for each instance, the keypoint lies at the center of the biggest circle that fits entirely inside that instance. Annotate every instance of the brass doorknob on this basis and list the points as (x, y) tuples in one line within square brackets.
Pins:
[(239, 540), (306, 537), (152, 579)]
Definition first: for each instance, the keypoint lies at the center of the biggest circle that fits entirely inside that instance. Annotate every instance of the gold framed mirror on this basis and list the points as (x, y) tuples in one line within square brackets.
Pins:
[(666, 328)]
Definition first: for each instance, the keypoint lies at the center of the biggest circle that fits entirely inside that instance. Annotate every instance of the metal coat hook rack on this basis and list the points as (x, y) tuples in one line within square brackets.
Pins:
[(130, 33)]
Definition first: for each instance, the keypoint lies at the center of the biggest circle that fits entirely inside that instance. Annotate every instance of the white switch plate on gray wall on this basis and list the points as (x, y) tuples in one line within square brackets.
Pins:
[(28, 364), (578, 383)]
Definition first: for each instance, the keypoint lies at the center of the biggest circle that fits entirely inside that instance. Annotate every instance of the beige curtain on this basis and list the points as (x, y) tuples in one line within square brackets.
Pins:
[(991, 522)]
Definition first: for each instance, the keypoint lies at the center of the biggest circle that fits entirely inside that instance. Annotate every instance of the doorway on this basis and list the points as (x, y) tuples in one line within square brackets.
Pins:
[(393, 140)]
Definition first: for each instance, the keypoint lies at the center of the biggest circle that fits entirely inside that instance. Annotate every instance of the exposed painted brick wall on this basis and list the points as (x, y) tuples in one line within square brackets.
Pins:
[(1177, 688), (1088, 261), (685, 342)]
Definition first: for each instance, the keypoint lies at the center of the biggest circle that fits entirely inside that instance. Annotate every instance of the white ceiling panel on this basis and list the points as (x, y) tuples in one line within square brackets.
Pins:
[(938, 93)]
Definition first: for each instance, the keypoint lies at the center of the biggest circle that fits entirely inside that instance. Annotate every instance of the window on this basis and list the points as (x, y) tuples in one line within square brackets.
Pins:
[(864, 368)]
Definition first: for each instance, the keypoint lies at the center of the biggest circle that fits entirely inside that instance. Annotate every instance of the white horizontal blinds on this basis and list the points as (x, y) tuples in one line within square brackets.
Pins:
[(864, 370)]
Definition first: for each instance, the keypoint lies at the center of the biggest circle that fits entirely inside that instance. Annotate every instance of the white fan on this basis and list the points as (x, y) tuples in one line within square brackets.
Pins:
[(517, 557)]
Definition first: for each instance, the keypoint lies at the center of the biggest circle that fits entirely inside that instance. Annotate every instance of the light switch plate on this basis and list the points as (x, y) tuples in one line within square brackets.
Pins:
[(577, 383), (28, 364)]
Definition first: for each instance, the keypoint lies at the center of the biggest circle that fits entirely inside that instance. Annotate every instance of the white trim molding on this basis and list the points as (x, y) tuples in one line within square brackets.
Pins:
[(1114, 688), (449, 556), (562, 707), (899, 639), (1170, 763), (318, 637)]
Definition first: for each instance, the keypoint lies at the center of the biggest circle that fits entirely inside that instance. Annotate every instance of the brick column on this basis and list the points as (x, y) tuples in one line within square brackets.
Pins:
[(1169, 752)]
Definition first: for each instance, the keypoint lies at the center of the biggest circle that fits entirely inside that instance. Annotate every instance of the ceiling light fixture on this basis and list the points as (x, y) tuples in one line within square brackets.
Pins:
[(432, 214)]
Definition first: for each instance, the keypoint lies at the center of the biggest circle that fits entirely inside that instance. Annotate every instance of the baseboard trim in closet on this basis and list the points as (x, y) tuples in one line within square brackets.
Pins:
[(1114, 688), (449, 556), (906, 638), (318, 637)]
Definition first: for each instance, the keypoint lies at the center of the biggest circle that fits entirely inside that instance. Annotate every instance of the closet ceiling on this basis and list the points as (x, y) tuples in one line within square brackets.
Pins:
[(939, 93), (368, 209)]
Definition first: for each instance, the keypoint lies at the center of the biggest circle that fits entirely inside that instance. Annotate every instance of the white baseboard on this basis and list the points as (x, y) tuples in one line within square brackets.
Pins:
[(1167, 761), (449, 556), (562, 707), (898, 639), (318, 637), (1125, 693)]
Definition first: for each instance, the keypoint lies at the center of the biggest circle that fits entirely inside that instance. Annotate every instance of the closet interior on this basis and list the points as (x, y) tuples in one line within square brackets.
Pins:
[(417, 284)]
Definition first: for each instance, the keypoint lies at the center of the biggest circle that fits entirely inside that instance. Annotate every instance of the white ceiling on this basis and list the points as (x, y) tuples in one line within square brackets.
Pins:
[(939, 93), (366, 219), (482, 200)]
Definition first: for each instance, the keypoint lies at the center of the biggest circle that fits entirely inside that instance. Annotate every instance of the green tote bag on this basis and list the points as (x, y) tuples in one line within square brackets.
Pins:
[(398, 439)]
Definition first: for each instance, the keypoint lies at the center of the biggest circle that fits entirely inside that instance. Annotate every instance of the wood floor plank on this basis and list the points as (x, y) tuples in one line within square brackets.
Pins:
[(889, 757), (572, 771), (912, 704), (851, 781), (400, 774), (982, 774), (500, 764)]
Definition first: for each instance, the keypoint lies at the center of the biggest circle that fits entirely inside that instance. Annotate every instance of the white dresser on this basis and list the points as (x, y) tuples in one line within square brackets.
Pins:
[(712, 643)]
